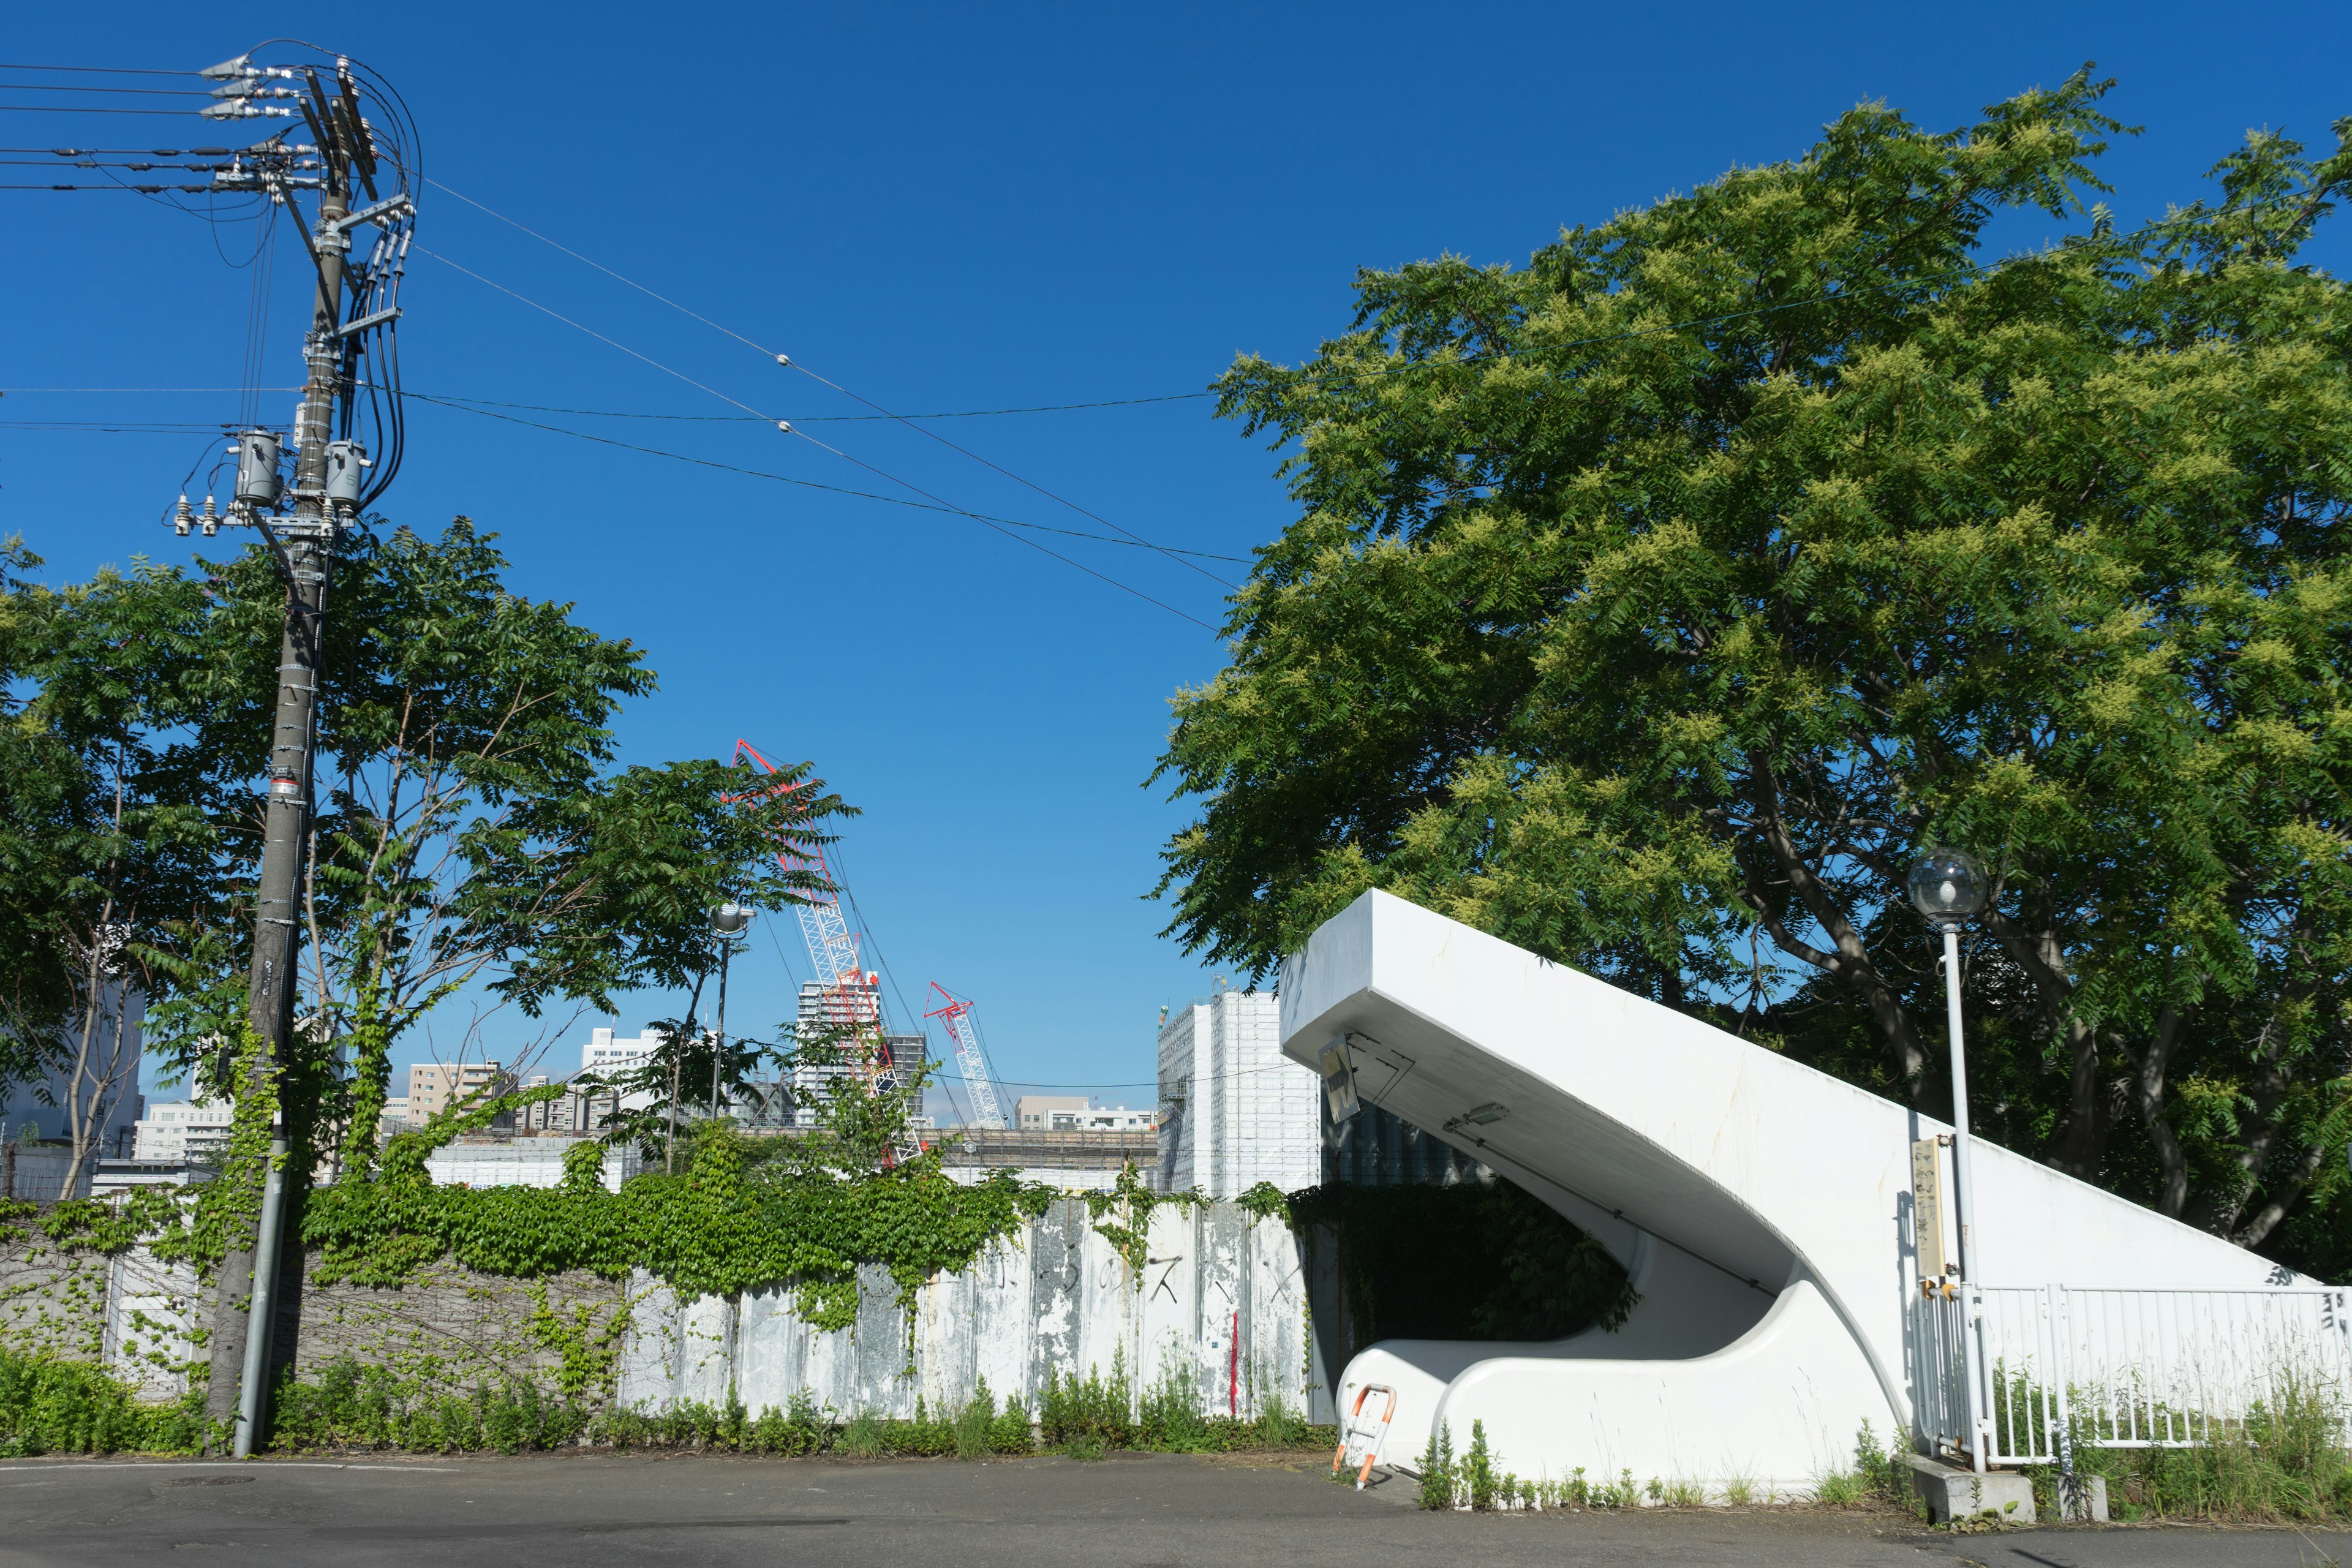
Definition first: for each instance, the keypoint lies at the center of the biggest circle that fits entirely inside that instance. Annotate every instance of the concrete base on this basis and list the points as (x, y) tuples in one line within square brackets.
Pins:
[(1951, 1493), (2083, 1500)]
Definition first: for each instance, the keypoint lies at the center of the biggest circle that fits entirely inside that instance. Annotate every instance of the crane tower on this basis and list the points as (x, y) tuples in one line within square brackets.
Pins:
[(954, 1015)]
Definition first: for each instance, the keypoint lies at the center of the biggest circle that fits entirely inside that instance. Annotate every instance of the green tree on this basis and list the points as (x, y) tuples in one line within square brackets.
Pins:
[(1653, 604), (107, 837)]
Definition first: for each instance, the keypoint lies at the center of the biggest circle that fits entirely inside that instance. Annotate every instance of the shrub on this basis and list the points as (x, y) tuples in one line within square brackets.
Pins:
[(1478, 1479), (862, 1439), (51, 1406), (1437, 1467), (1091, 1408)]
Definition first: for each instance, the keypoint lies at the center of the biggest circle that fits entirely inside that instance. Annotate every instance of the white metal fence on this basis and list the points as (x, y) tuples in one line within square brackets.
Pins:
[(2012, 1374)]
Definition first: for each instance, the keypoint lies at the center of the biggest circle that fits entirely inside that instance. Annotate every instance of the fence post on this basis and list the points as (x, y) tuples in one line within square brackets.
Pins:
[(1972, 1362)]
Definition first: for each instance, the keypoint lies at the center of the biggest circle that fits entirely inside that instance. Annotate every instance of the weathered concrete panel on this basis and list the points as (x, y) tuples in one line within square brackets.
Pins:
[(1055, 1300)]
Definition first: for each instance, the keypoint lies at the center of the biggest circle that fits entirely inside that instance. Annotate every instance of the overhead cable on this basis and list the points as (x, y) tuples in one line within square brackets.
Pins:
[(787, 429), (784, 359), (807, 484)]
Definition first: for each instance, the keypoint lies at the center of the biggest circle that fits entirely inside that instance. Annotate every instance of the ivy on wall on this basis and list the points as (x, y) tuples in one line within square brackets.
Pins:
[(721, 1226)]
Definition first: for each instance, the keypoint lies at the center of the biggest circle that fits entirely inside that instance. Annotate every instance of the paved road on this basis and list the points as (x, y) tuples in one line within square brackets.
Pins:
[(1128, 1511)]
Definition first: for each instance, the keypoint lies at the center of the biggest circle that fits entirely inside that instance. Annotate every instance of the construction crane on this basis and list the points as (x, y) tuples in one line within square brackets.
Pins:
[(850, 997), (954, 1015)]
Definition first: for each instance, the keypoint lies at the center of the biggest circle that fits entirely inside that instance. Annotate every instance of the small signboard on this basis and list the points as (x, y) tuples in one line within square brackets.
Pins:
[(1927, 1206), (1340, 1082)]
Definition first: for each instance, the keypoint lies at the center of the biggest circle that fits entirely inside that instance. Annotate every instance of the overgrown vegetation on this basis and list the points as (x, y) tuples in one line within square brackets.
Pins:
[(1086, 1417), (51, 1406)]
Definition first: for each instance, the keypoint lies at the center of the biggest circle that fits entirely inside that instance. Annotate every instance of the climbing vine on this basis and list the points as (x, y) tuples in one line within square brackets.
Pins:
[(728, 1223), (1122, 1215)]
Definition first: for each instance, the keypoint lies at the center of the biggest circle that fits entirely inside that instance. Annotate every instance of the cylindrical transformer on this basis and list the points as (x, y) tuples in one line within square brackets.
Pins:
[(256, 467), (345, 459)]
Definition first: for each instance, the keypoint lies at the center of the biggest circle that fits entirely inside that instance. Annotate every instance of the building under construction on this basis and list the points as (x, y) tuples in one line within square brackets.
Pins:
[(841, 1035)]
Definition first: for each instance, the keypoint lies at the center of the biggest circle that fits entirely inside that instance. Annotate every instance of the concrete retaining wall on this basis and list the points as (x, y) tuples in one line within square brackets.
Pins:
[(1222, 1304)]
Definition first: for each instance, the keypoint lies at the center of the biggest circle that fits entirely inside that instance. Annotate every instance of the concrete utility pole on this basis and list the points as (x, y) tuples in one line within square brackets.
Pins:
[(239, 1356), (328, 492)]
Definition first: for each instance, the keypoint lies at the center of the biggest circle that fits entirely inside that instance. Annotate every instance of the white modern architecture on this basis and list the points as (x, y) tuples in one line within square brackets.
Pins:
[(102, 1081), (178, 1131), (1763, 1210), (1234, 1111), (523, 1163)]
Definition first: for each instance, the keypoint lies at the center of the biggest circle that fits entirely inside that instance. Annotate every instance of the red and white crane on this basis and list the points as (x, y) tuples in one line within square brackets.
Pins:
[(850, 995), (954, 1015)]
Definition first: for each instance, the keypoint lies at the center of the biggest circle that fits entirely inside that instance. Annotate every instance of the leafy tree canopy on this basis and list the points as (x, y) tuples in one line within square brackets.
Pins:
[(471, 827), (1653, 604)]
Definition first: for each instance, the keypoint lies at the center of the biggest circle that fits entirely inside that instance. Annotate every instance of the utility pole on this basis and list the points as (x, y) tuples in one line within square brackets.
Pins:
[(328, 492)]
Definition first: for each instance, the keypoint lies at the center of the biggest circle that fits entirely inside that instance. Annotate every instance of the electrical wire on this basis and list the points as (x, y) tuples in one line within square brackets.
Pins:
[(939, 504), (785, 360), (819, 418), (805, 484), (104, 70), (65, 87)]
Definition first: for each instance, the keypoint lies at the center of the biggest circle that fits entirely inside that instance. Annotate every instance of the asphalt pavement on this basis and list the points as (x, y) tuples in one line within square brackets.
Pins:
[(1125, 1511)]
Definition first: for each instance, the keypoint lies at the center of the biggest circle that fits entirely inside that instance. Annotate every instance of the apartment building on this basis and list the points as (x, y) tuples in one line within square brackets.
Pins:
[(434, 1087)]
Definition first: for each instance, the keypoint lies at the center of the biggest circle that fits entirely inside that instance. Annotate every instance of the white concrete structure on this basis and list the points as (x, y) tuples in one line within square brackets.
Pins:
[(1033, 1111), (175, 1131), (1762, 1210), (608, 1056), (524, 1163), (35, 1112), (436, 1087), (1233, 1111), (1102, 1119)]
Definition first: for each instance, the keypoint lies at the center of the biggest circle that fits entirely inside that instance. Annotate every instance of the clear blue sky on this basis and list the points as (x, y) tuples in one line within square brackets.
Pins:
[(961, 209)]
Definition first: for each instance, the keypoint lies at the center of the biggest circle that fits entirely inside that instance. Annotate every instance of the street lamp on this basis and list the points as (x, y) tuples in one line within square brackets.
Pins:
[(730, 922), (1948, 888)]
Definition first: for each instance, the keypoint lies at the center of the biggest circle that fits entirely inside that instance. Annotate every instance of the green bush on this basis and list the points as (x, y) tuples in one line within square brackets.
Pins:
[(348, 1406), (1437, 1470), (1172, 1421), (1090, 1410), (1478, 1477), (50, 1405)]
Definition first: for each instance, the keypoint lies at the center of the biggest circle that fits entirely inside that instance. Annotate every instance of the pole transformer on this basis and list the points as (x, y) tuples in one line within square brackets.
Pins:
[(330, 487)]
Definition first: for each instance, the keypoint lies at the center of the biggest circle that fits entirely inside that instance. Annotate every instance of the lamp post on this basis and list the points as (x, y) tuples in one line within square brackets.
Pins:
[(729, 922), (1948, 888)]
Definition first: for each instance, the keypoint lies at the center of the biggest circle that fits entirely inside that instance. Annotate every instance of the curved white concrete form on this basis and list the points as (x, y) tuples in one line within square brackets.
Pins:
[(1762, 1208)]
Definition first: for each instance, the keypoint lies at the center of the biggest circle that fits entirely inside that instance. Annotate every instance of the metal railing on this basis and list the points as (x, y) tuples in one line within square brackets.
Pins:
[(2096, 1366)]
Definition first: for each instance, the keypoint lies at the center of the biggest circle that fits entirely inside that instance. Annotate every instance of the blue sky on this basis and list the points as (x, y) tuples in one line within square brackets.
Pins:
[(951, 208)]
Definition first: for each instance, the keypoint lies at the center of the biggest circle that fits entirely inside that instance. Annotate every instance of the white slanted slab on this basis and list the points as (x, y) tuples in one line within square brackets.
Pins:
[(1762, 1208)]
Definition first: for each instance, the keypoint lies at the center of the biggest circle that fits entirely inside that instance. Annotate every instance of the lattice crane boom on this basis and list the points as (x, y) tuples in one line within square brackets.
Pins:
[(852, 995), (954, 1015)]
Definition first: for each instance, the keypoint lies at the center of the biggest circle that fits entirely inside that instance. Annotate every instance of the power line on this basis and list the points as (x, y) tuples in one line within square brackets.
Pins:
[(687, 418), (104, 70), (146, 92), (785, 426), (784, 359), (805, 484)]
